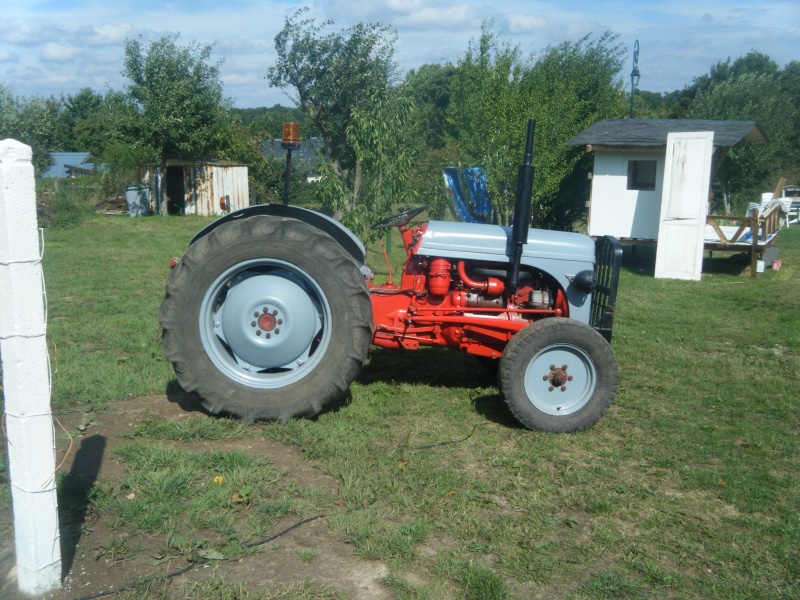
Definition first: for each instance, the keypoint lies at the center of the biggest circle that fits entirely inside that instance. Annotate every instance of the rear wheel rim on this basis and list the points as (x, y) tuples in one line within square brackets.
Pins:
[(560, 379), (265, 323)]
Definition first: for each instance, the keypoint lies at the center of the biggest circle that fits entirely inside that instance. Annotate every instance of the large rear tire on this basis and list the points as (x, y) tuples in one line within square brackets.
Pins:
[(266, 318), (558, 375)]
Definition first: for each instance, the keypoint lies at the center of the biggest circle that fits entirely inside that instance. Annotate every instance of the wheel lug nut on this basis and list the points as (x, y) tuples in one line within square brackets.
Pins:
[(256, 314), (274, 312), (266, 309), (552, 367), (277, 331), (269, 335), (569, 378), (258, 332), (280, 321), (550, 389), (563, 388), (564, 367), (252, 323), (545, 378)]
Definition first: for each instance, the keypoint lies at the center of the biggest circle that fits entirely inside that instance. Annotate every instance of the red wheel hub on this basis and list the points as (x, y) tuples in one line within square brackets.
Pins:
[(266, 322)]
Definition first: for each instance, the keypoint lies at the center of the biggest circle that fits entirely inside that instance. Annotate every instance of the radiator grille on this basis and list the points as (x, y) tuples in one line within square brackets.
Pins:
[(608, 257)]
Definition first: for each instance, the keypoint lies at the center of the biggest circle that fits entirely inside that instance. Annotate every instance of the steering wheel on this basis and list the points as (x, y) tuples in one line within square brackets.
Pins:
[(398, 220)]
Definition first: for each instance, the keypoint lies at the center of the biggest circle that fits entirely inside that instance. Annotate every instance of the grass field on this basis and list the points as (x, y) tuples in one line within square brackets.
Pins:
[(688, 488)]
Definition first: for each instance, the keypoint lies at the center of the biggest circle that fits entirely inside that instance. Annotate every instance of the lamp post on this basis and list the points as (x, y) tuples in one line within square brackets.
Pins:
[(290, 141), (635, 72)]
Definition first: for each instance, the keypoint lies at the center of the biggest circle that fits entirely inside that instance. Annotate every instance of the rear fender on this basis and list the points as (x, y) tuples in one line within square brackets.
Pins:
[(336, 230)]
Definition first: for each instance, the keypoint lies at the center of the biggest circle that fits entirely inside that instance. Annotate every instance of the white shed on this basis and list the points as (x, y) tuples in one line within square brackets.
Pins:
[(197, 186), (629, 165)]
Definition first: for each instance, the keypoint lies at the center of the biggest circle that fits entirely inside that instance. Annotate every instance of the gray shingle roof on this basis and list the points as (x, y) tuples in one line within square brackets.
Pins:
[(653, 132)]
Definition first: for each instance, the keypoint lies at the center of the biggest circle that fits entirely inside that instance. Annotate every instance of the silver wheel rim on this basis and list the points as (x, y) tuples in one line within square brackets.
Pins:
[(265, 323), (560, 379)]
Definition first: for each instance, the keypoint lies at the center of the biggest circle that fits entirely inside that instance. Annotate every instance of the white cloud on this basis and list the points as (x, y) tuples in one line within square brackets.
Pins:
[(47, 46), (30, 32), (107, 34), (58, 53), (528, 23), (446, 17), (405, 5)]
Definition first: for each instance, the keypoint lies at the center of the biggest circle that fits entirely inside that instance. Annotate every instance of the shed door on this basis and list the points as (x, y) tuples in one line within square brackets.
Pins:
[(684, 205)]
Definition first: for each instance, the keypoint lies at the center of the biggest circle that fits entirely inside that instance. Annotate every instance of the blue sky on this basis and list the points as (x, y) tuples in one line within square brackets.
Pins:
[(52, 47)]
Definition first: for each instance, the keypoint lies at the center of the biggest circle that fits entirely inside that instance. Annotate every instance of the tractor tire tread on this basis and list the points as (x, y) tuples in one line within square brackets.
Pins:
[(219, 398)]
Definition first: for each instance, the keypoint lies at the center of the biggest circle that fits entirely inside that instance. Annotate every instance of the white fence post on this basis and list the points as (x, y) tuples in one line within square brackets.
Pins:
[(26, 377)]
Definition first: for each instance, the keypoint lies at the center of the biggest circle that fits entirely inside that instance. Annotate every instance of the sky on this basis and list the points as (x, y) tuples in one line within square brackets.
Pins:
[(57, 47)]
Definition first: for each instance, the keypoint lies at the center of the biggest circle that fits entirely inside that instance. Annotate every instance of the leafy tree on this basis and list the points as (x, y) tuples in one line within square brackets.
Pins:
[(83, 118), (680, 102), (789, 81), (343, 82), (430, 89), (495, 92), (750, 168), (32, 121), (176, 98), (268, 122), (9, 112)]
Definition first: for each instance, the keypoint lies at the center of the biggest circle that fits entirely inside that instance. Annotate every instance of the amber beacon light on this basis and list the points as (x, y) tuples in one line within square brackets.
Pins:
[(291, 136), (290, 141)]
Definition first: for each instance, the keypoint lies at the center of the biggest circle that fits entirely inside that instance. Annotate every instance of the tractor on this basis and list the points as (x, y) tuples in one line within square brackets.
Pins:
[(271, 311)]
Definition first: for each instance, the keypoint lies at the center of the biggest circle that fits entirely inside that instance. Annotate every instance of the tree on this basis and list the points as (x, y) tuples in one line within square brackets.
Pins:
[(750, 168), (268, 122), (177, 101), (33, 121), (789, 80), (343, 82), (488, 113), (495, 92), (429, 87), (680, 102), (83, 118)]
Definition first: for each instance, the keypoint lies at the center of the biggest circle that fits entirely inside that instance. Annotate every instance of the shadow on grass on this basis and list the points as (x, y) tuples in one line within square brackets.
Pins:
[(188, 401), (75, 491), (426, 366), (725, 263), (641, 260), (493, 409)]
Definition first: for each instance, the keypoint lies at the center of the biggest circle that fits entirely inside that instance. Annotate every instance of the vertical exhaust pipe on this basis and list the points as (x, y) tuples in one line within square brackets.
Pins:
[(522, 209)]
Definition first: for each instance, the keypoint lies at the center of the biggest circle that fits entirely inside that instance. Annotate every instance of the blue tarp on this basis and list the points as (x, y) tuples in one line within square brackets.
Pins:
[(467, 194)]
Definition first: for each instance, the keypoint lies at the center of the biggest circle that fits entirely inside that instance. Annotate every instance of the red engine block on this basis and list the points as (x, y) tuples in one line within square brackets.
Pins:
[(437, 303)]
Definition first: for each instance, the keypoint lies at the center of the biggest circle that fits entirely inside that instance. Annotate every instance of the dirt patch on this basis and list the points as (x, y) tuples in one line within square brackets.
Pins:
[(89, 571)]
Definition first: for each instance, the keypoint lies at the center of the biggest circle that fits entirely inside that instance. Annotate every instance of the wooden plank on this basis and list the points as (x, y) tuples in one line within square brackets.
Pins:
[(779, 188), (713, 222), (745, 223)]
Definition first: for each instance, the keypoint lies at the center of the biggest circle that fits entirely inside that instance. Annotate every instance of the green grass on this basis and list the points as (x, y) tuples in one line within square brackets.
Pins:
[(688, 488), (105, 280)]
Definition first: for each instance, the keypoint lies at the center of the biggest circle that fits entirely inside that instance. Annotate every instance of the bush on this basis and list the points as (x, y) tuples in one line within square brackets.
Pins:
[(65, 203)]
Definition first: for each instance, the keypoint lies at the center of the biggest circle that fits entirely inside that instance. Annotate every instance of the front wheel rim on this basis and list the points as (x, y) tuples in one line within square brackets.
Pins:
[(265, 323), (560, 379)]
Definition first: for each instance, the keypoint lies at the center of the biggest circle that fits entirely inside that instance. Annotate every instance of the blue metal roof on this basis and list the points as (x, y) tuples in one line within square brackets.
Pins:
[(64, 164)]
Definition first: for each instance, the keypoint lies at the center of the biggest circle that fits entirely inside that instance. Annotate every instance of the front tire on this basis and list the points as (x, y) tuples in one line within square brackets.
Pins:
[(266, 318), (558, 375)]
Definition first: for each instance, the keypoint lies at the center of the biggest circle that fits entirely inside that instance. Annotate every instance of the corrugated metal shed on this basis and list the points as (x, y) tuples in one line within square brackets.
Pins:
[(652, 133), (198, 186)]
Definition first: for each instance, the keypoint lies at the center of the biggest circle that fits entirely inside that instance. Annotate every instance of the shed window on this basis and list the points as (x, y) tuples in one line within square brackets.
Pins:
[(642, 175)]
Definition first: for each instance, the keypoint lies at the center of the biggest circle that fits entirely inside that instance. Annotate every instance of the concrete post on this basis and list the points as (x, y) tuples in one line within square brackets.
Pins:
[(26, 377)]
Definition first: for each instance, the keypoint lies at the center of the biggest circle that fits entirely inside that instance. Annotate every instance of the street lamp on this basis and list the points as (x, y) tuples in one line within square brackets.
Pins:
[(635, 72)]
